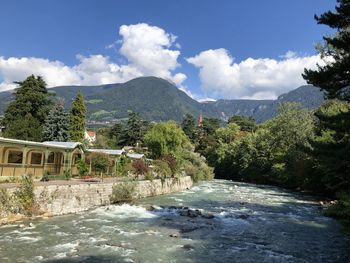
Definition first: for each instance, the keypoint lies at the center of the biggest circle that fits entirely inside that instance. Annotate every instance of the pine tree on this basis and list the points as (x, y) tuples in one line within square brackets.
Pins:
[(56, 127), (334, 76), (26, 114), (77, 119), (135, 130), (188, 125)]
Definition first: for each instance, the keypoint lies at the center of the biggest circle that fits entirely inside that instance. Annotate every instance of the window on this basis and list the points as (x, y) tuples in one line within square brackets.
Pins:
[(36, 158), (51, 158), (15, 157)]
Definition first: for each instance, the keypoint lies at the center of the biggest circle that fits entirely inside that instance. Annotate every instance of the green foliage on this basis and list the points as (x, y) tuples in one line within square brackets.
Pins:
[(122, 163), (67, 174), (77, 121), (134, 130), (82, 167), (331, 146), (188, 125), (56, 126), (333, 77), (25, 196), (165, 138), (245, 123), (46, 176), (341, 210), (161, 168), (26, 114), (172, 163), (123, 192), (99, 162)]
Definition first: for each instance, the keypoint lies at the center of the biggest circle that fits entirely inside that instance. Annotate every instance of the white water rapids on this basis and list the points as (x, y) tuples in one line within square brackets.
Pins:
[(235, 222)]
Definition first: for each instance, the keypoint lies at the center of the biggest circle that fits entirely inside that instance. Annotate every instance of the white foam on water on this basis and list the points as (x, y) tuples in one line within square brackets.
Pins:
[(101, 220), (66, 247), (124, 211), (28, 239), (60, 255), (62, 234), (40, 258)]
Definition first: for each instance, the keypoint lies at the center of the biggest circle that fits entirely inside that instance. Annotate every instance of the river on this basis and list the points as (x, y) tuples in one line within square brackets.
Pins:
[(235, 222)]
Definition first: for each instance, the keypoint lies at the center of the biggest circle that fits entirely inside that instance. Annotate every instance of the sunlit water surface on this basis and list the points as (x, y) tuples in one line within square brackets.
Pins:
[(251, 224)]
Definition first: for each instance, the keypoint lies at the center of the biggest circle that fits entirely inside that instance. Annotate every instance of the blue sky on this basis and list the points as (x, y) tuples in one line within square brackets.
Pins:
[(211, 49)]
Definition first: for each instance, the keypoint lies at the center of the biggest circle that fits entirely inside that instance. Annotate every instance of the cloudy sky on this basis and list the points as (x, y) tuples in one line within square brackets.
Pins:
[(252, 49)]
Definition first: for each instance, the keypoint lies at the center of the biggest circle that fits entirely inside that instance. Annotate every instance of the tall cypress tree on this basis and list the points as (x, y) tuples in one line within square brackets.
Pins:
[(77, 119), (334, 76), (56, 127), (26, 114)]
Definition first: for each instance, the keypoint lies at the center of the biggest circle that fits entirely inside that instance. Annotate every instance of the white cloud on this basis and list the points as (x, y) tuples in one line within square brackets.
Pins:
[(262, 78), (146, 48)]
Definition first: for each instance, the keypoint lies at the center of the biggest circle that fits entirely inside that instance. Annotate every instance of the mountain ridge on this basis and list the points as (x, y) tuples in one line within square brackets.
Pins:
[(157, 99)]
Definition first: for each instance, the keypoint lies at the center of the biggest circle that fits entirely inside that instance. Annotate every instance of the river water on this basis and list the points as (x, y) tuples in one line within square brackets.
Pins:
[(237, 222)]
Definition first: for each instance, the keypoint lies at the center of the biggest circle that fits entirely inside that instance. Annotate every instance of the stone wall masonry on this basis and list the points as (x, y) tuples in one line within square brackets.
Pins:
[(66, 199)]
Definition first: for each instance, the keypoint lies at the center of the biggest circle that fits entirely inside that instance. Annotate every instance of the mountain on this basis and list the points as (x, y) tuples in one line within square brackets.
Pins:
[(157, 99)]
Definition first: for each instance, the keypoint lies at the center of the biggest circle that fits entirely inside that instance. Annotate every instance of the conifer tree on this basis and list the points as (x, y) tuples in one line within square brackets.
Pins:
[(334, 76), (77, 119), (56, 127), (26, 114), (188, 125)]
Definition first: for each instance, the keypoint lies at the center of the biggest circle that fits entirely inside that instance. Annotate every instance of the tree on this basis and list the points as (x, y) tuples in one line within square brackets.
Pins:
[(331, 146), (26, 114), (189, 126), (134, 130), (165, 138), (115, 134), (334, 76), (245, 123), (56, 127), (77, 117)]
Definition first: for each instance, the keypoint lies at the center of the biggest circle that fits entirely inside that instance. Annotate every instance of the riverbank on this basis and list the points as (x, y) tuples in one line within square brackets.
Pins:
[(67, 198)]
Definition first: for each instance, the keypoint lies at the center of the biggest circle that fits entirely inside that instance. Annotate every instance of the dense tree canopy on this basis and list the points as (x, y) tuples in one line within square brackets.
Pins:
[(334, 76), (26, 114), (165, 138)]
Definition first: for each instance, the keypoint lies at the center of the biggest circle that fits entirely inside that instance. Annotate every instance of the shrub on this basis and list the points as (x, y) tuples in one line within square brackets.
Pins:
[(172, 162), (67, 174), (140, 167), (45, 177), (82, 167), (193, 172), (26, 197), (99, 162), (341, 210), (123, 192), (122, 162), (161, 168)]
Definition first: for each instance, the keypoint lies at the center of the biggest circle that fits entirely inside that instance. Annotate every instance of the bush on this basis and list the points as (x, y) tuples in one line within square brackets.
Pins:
[(26, 197), (67, 174), (123, 192), (172, 162), (122, 162), (161, 168), (82, 167), (45, 177), (341, 210), (99, 162), (140, 167)]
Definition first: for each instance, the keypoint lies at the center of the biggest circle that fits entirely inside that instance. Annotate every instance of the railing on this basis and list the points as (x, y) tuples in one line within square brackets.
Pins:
[(10, 170)]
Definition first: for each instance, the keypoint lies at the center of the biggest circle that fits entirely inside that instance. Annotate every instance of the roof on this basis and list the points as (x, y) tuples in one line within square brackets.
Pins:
[(61, 145), (66, 145), (135, 155), (107, 151), (91, 133)]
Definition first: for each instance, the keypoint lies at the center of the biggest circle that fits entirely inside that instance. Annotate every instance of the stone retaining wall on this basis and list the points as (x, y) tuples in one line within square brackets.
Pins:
[(66, 199)]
